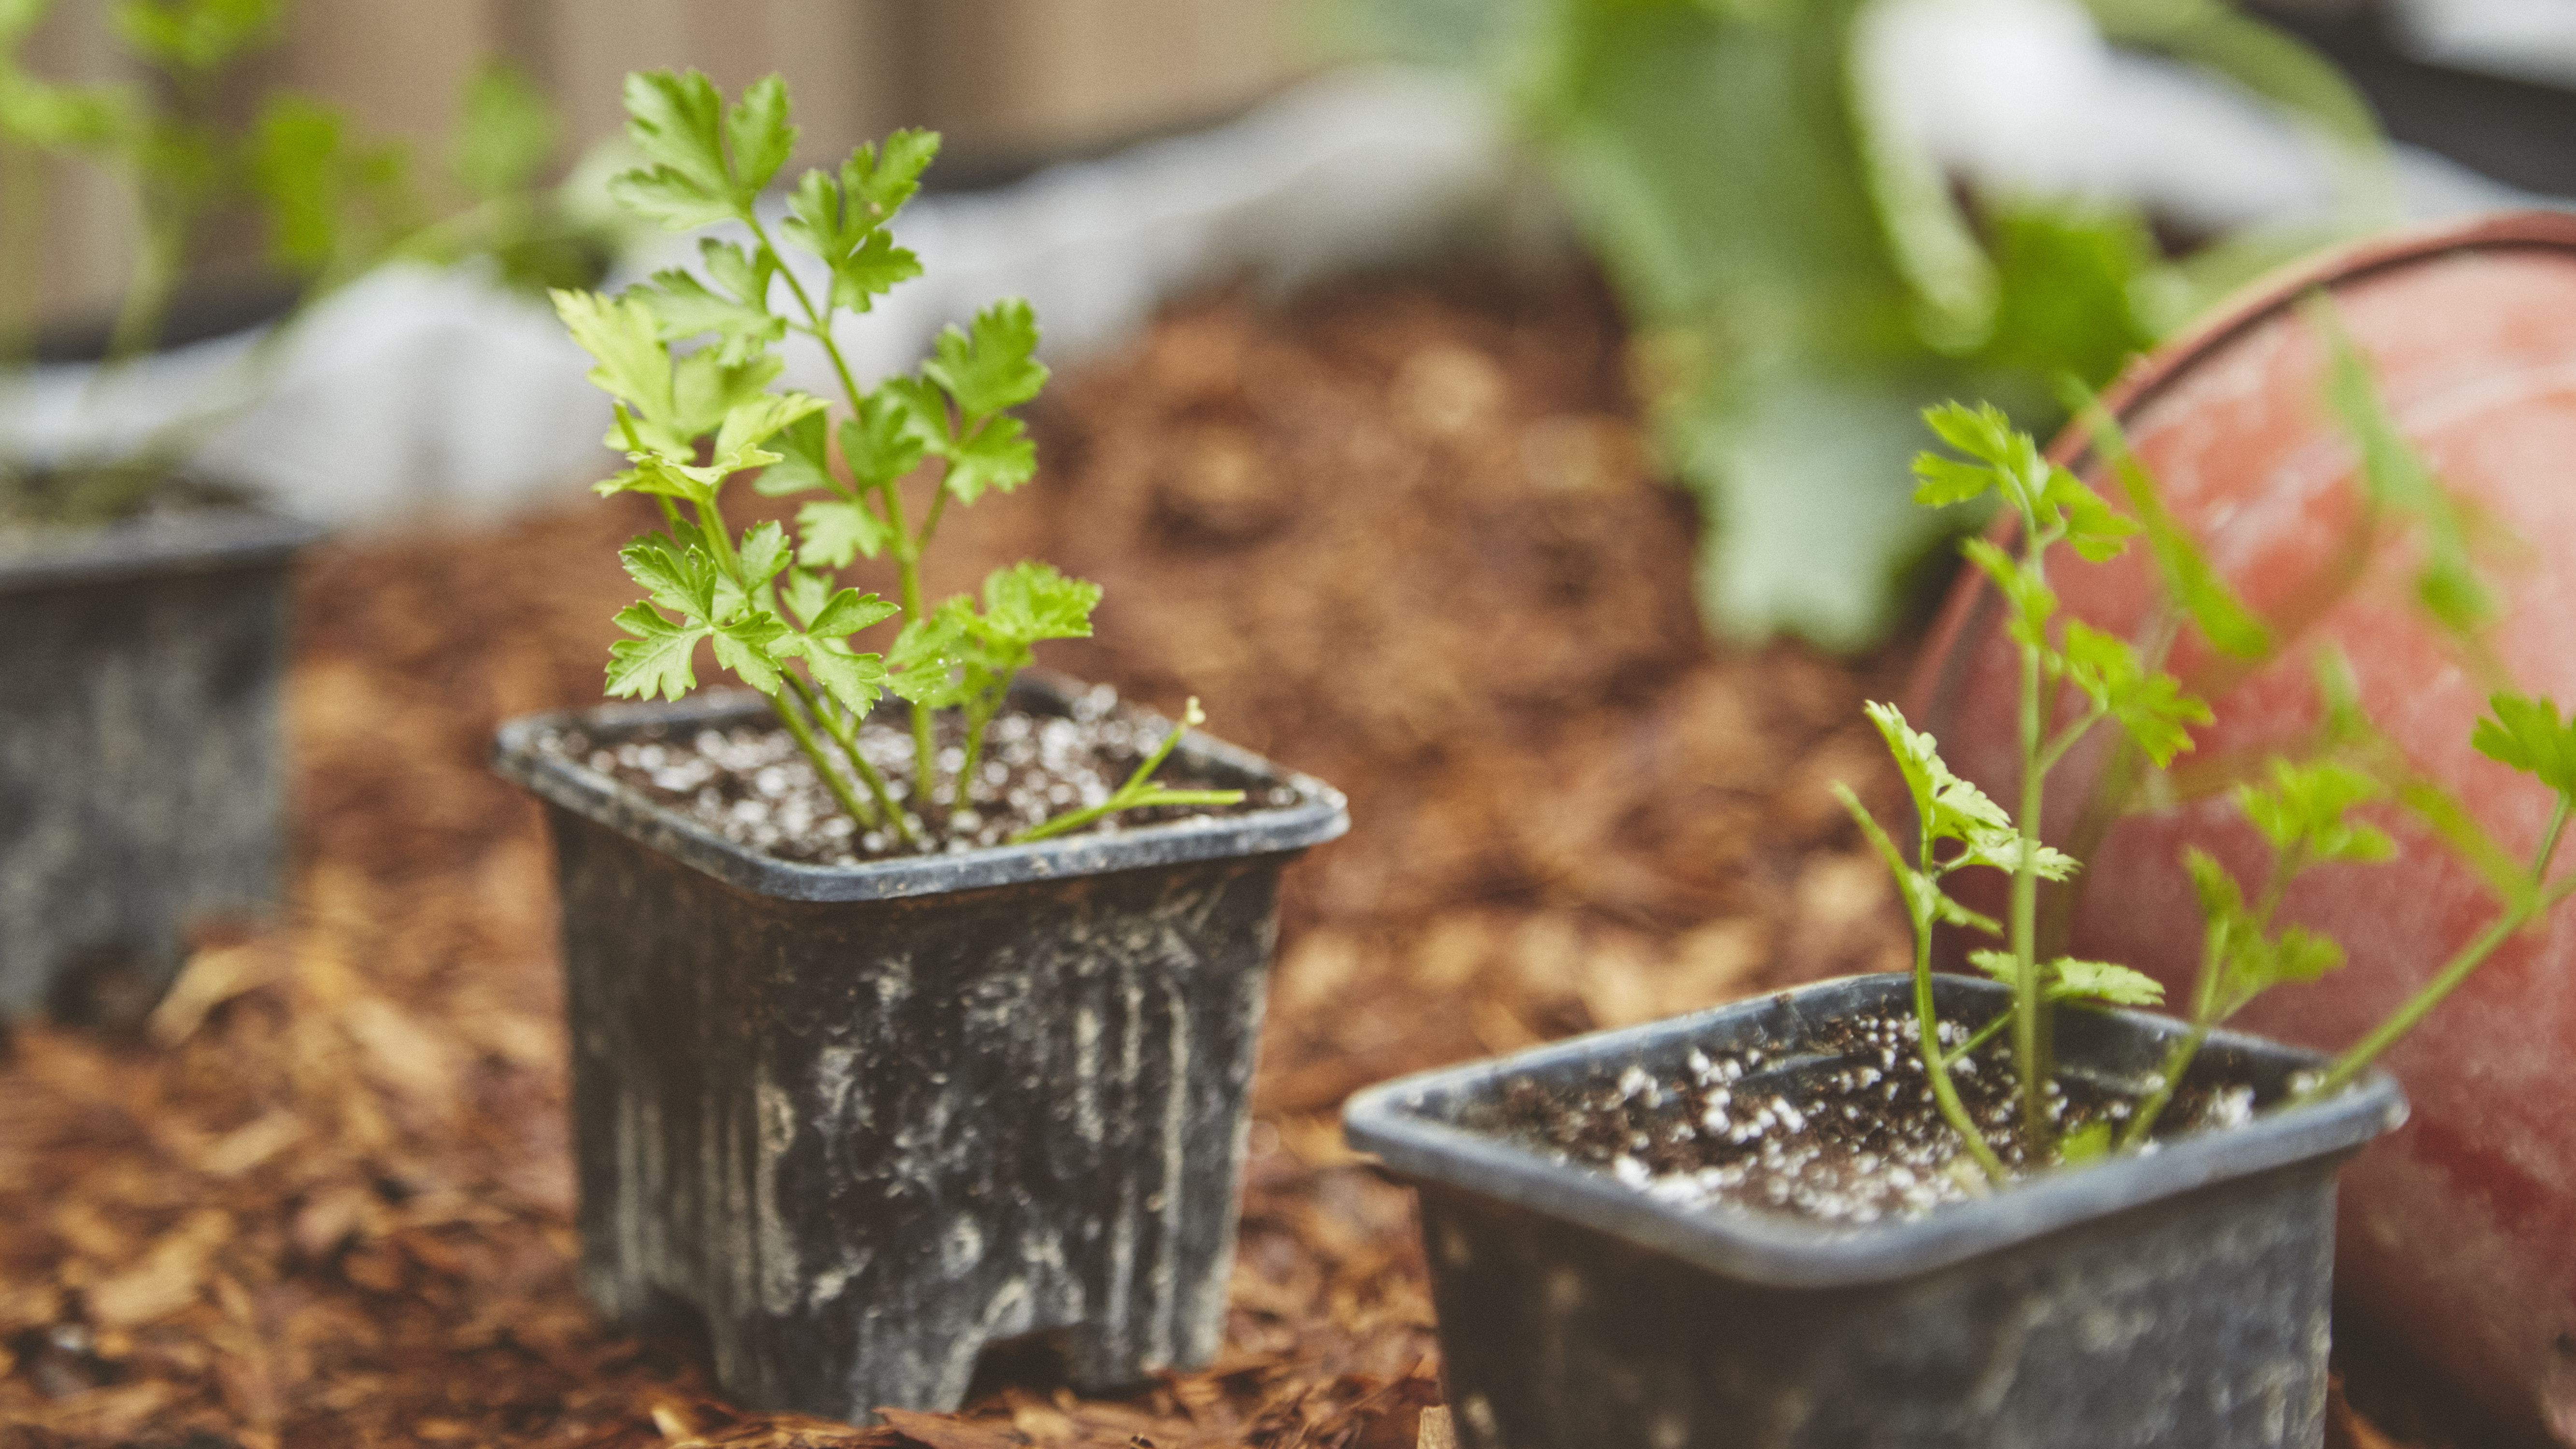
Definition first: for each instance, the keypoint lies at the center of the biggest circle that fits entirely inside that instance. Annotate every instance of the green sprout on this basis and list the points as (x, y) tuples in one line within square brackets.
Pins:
[(689, 357), (2073, 677)]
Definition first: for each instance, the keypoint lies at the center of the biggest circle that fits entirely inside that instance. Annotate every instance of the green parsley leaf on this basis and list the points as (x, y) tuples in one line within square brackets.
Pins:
[(760, 135), (2103, 981), (657, 660), (625, 339), (682, 580), (836, 530), (2524, 731), (2024, 586), (674, 119), (856, 680), (2302, 810), (888, 437), (1030, 601), (997, 455), (751, 647), (802, 462), (990, 368), (879, 182), (848, 612)]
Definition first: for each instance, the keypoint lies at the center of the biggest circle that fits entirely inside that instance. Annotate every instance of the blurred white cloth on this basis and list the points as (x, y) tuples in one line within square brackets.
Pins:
[(417, 391)]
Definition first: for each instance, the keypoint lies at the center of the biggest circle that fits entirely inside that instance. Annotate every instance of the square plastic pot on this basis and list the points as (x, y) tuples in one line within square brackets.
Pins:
[(142, 762), (864, 1120), (2177, 1299)]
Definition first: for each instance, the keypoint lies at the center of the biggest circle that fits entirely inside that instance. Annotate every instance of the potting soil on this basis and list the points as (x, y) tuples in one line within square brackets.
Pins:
[(1849, 1134)]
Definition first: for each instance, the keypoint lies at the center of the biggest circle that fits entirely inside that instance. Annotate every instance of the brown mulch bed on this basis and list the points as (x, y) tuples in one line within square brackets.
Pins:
[(1400, 535)]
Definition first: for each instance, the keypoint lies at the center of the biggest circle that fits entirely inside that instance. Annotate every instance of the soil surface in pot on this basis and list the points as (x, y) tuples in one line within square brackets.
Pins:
[(1849, 1134), (751, 784), (1398, 533)]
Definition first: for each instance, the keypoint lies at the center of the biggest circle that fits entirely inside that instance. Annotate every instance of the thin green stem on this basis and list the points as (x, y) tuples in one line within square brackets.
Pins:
[(789, 716), (1994, 1027), (2357, 1058), (845, 733), (1139, 791), (2169, 1077), (2027, 1048), (1936, 1063)]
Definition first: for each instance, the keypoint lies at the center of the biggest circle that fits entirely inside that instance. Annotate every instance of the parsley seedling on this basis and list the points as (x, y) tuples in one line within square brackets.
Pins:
[(689, 357), (2074, 677)]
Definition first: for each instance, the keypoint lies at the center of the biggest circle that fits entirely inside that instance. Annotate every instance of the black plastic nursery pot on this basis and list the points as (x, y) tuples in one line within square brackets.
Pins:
[(2175, 1299), (142, 761), (864, 1120)]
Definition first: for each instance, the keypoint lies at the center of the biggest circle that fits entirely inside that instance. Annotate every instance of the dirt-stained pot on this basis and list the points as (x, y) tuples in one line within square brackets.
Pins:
[(2173, 1300), (864, 1120), (142, 764), (2459, 1233)]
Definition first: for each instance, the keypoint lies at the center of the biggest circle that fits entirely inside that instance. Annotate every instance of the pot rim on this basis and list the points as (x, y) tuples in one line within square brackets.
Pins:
[(205, 540), (1395, 1121), (1320, 813), (1940, 673)]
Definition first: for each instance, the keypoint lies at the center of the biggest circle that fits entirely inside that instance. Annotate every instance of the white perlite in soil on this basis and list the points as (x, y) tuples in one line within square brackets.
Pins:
[(1850, 1134), (751, 784)]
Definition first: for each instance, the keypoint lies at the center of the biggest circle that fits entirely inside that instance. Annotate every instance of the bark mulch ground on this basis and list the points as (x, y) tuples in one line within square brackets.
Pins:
[(1400, 534)]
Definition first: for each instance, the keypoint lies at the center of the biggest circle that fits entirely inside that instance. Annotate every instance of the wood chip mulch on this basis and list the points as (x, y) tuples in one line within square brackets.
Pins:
[(1400, 534)]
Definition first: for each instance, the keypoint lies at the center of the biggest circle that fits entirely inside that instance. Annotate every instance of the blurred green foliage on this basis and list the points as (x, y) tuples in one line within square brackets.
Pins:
[(1801, 283), (329, 203)]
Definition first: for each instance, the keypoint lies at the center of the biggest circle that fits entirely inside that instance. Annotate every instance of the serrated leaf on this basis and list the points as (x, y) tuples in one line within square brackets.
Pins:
[(879, 181), (657, 660), (833, 531), (1944, 481), (624, 338), (686, 307), (750, 647), (804, 593), (2301, 810), (2524, 731), (1030, 601), (990, 368), (997, 456), (659, 194), (2149, 705), (848, 612), (802, 461), (706, 387), (922, 665), (2002, 965), (756, 419), (2094, 529), (682, 580), (887, 439), (869, 269), (856, 680), (758, 132), (2071, 979), (763, 553), (674, 119)]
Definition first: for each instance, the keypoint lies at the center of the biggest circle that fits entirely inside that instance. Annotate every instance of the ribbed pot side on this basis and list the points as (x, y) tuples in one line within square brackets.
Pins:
[(955, 1100), (2176, 1300), (142, 761)]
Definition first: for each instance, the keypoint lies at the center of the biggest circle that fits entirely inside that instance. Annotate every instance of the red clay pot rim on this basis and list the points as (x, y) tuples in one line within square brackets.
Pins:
[(1940, 669)]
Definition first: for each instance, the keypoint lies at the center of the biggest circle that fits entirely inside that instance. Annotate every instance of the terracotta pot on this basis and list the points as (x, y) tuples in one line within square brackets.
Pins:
[(2459, 1233)]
